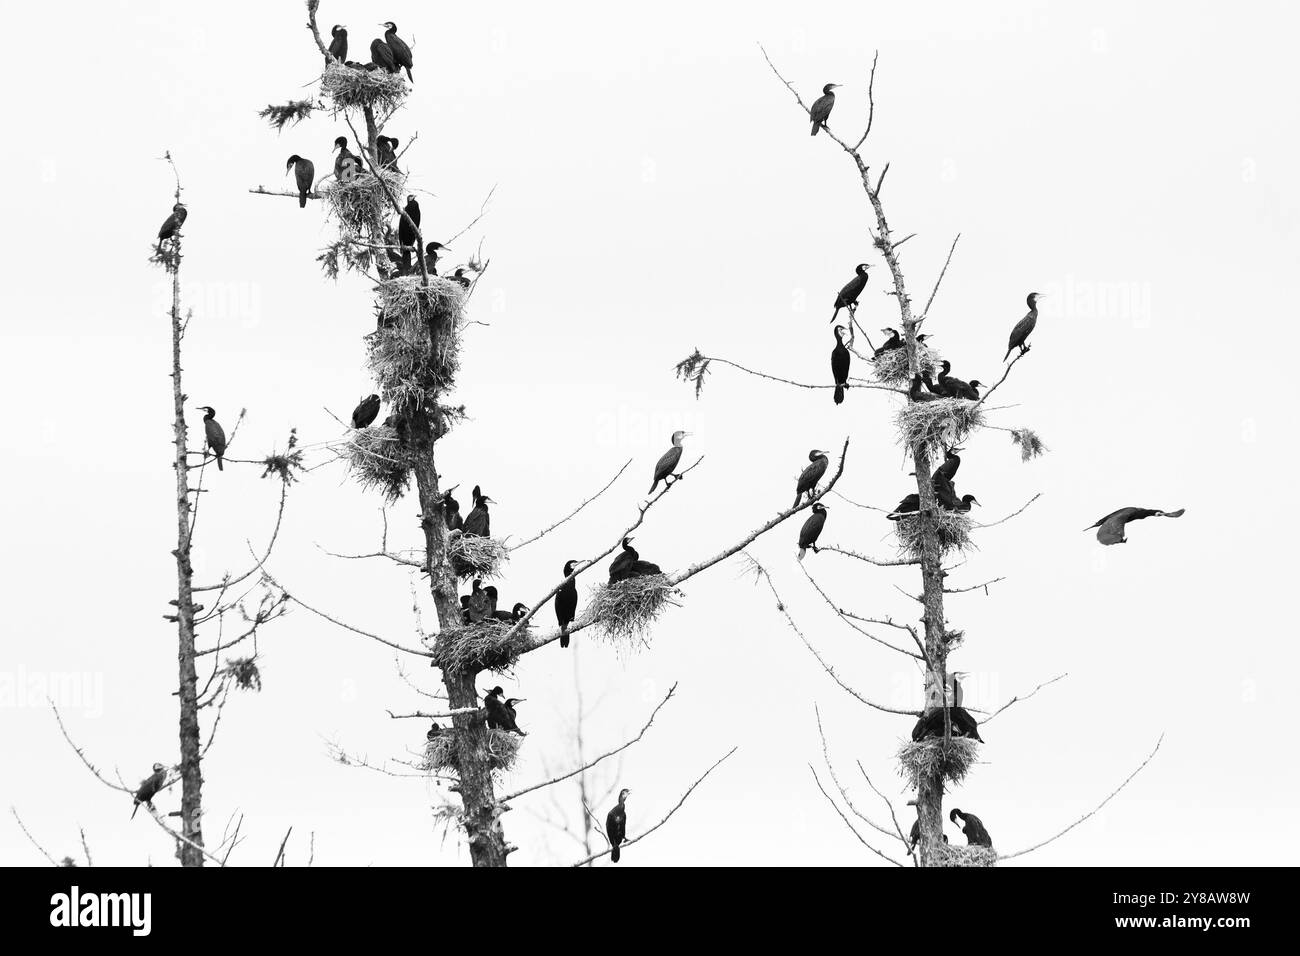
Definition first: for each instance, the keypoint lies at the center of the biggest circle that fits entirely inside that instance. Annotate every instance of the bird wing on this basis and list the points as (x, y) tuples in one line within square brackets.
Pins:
[(667, 462), (1111, 530), (811, 528), (809, 476), (852, 289), (1022, 330), (821, 107), (305, 172)]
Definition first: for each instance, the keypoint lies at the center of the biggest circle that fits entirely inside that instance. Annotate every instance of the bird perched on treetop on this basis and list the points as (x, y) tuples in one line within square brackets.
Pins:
[(347, 165), (215, 434), (616, 825), (667, 465), (821, 108), (840, 359), (304, 174), (973, 827), (1026, 325), (338, 43), (812, 473), (479, 521), (1110, 529), (811, 529), (149, 788), (566, 603), (171, 226), (401, 52), (366, 412), (382, 56), (848, 296)]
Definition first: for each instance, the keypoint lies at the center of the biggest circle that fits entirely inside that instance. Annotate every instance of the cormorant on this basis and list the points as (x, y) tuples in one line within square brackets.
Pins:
[(382, 55), (304, 174), (516, 613), (812, 474), (1110, 529), (451, 511), (338, 43), (963, 506), (668, 462), (479, 521), (931, 724), (431, 252), (616, 825), (895, 341), (915, 393), (621, 564), (955, 387), (407, 231), (811, 529), (1026, 325), (973, 827), (501, 712), (914, 837), (566, 603), (945, 492), (347, 166), (149, 788), (401, 52), (386, 147), (908, 506), (171, 226), (365, 413), (821, 108), (434, 731), (215, 434), (493, 597), (951, 462), (459, 276), (840, 364), (848, 296), (476, 605)]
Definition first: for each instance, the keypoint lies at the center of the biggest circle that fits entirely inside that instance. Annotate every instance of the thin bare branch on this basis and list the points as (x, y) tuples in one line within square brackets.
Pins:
[(1017, 698), (575, 511)]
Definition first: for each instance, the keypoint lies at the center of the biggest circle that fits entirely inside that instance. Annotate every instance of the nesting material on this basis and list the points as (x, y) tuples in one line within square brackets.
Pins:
[(625, 610), (347, 88), (1031, 446), (473, 556), (942, 423), (417, 346), (953, 528), (922, 759), (890, 368), (362, 204), (377, 460), (502, 749), (243, 671), (482, 646), (946, 854)]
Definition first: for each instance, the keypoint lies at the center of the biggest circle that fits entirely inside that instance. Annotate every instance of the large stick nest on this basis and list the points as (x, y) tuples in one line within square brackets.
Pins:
[(946, 854), (939, 424), (625, 610), (890, 368), (348, 88), (362, 204), (921, 759), (473, 556), (377, 459), (481, 646), (416, 349), (501, 751), (952, 528)]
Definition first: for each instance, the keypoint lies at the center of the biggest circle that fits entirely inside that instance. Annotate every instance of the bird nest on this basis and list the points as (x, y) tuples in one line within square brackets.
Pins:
[(922, 759), (623, 611), (946, 854), (349, 88), (376, 459), (482, 646), (473, 556), (501, 749), (362, 204), (417, 346), (936, 425), (952, 527), (890, 368)]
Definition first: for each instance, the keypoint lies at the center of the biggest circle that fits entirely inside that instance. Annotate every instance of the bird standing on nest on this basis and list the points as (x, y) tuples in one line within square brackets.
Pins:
[(566, 603), (821, 108), (479, 521), (477, 605), (808, 478), (895, 341), (1110, 529), (338, 44), (381, 54), (501, 712), (616, 826), (931, 724), (149, 788), (972, 827), (431, 253), (171, 227), (668, 461), (908, 506), (366, 412), (848, 296), (1026, 325), (812, 529), (304, 174), (915, 393), (401, 52), (347, 166), (214, 434)]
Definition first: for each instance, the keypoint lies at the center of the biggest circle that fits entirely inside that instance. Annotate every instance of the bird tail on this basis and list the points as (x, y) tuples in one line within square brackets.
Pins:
[(816, 126), (802, 552), (614, 854), (653, 487), (1008, 355), (134, 809), (220, 466), (839, 394), (564, 638), (302, 200)]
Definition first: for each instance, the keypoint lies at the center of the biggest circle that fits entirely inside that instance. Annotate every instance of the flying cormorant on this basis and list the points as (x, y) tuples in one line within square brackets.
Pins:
[(811, 529), (973, 827), (1026, 325), (821, 108), (616, 825), (812, 474), (338, 43), (382, 56), (664, 469), (215, 434), (304, 174), (365, 413), (1110, 529), (149, 788), (840, 365), (848, 296), (401, 52), (171, 226), (566, 603), (347, 166)]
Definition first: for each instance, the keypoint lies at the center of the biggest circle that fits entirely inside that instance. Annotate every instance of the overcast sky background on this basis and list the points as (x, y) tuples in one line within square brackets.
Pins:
[(658, 191)]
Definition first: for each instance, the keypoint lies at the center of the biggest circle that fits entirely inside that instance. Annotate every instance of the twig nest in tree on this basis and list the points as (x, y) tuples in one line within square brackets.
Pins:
[(500, 750), (377, 459), (952, 759), (416, 349), (362, 202), (473, 556), (348, 88), (952, 528), (483, 645), (890, 368), (947, 854), (623, 611), (939, 424)]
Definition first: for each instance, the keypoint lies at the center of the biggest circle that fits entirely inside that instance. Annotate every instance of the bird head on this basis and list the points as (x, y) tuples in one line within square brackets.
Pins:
[(337, 29), (622, 794), (390, 26), (815, 454), (819, 508), (341, 142), (569, 566), (1033, 298), (970, 500), (678, 436), (393, 141), (955, 814), (496, 692), (511, 701), (179, 207), (410, 200), (158, 768), (627, 541), (976, 383), (208, 410), (292, 159), (830, 86), (519, 610), (862, 268), (435, 247), (839, 331)]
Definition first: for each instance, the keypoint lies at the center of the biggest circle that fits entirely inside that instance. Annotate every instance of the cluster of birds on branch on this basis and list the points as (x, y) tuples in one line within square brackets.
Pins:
[(391, 54), (945, 491)]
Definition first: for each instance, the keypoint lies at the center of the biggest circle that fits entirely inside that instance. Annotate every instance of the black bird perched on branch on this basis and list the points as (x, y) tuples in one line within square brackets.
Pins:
[(840, 364), (149, 788), (451, 511), (366, 412), (895, 341), (668, 461), (566, 603), (347, 165), (848, 296), (304, 174), (501, 712), (479, 521), (431, 252), (1110, 529), (215, 434), (821, 108), (338, 43), (812, 529), (382, 56), (386, 148), (812, 474), (407, 231), (401, 52), (973, 827), (616, 825), (908, 506), (171, 226), (1026, 325)]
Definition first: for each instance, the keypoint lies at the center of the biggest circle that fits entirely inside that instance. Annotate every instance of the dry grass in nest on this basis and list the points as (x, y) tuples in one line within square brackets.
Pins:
[(473, 556), (501, 751), (946, 854), (921, 759), (625, 610), (243, 671), (1031, 446), (417, 346), (953, 528), (346, 88), (377, 460), (936, 425), (362, 203), (890, 368), (481, 646)]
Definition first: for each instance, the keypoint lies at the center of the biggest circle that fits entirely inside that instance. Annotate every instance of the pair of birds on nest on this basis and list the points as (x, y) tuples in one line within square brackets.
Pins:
[(391, 54)]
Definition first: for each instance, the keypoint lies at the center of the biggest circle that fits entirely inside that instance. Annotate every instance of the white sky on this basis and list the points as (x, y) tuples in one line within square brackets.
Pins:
[(658, 190)]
